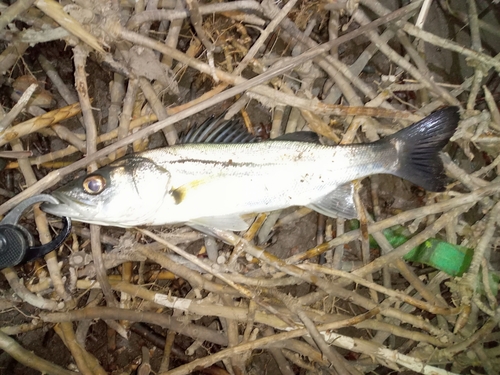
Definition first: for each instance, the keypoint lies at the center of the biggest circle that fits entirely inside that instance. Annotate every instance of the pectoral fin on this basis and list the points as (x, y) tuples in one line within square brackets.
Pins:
[(338, 203), (179, 193)]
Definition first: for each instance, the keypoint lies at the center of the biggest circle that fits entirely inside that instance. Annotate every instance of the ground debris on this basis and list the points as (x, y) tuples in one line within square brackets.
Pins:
[(412, 287)]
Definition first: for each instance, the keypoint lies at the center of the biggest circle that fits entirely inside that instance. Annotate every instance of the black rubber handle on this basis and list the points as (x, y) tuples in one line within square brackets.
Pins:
[(13, 245)]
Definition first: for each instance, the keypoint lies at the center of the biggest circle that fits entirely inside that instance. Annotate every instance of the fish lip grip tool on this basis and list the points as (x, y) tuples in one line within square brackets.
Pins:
[(17, 245)]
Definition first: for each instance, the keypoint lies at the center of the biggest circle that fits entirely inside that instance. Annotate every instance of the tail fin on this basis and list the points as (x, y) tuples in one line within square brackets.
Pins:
[(418, 148)]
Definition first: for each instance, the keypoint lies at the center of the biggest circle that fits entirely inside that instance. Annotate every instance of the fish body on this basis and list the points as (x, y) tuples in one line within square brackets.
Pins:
[(218, 184)]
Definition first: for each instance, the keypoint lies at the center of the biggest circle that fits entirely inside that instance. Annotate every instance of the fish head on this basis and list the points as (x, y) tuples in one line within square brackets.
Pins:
[(126, 193)]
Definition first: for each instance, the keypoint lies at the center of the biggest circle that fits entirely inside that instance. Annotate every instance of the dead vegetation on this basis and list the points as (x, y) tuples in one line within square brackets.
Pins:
[(297, 293)]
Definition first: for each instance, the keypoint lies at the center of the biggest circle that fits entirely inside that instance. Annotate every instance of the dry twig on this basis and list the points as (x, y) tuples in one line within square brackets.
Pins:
[(226, 300)]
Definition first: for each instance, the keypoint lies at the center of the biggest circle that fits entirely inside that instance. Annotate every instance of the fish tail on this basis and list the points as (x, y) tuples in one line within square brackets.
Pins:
[(418, 148)]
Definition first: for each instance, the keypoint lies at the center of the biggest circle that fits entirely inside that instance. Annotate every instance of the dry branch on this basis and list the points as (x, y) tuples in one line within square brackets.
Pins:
[(233, 299)]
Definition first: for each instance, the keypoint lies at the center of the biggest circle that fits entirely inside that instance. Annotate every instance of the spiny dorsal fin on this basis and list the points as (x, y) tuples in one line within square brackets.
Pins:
[(216, 130)]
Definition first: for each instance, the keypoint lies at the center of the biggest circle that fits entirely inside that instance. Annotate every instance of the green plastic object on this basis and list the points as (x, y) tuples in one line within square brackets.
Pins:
[(455, 260), (452, 259)]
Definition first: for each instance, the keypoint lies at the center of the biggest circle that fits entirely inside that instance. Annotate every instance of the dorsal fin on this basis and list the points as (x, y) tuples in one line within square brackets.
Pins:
[(303, 136), (216, 130)]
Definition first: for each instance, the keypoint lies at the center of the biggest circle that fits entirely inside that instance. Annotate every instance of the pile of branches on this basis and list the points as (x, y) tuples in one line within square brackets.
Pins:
[(143, 71)]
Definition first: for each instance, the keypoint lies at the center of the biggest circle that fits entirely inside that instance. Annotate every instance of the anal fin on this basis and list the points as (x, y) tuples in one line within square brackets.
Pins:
[(338, 203)]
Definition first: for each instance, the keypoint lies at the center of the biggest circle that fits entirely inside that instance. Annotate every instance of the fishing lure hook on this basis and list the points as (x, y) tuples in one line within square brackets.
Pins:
[(17, 243)]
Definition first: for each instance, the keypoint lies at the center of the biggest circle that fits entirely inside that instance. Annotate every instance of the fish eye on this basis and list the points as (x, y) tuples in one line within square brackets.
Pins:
[(94, 184)]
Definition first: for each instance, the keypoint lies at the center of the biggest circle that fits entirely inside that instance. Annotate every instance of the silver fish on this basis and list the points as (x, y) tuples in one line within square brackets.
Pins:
[(217, 185)]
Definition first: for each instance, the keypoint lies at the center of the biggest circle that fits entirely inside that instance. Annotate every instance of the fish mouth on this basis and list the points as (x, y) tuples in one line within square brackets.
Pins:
[(77, 210), (66, 207)]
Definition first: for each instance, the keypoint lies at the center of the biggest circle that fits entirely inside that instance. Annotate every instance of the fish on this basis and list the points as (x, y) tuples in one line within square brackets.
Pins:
[(219, 184)]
